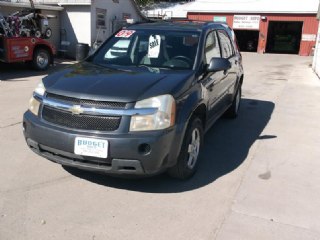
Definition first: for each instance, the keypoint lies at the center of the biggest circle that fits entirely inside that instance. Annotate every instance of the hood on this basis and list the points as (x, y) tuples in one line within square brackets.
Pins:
[(88, 81)]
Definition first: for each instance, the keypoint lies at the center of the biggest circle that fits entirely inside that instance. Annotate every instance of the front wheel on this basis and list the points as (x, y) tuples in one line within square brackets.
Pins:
[(189, 154), (41, 59)]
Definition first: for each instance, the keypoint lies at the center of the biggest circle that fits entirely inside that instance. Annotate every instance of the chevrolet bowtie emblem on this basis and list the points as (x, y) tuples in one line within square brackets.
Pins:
[(76, 109)]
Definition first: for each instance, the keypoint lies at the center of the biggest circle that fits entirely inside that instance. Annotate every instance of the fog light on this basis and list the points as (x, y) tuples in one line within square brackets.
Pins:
[(144, 149)]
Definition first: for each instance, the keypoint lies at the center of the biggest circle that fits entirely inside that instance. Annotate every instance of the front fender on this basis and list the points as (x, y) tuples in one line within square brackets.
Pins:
[(186, 106)]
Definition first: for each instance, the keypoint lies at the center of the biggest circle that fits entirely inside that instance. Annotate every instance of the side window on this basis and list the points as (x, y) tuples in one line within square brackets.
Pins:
[(139, 48), (226, 45), (212, 47), (143, 46)]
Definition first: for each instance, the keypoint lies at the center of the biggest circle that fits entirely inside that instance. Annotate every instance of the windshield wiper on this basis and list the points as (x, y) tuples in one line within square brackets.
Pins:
[(152, 69)]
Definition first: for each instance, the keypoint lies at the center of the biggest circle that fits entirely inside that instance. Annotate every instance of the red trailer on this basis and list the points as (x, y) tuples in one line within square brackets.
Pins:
[(39, 52)]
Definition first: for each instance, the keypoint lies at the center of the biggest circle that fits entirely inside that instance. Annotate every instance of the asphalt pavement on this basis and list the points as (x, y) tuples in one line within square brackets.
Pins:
[(258, 175)]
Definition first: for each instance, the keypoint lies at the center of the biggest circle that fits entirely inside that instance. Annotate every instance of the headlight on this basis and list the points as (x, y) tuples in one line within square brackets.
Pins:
[(40, 89), (34, 104), (163, 118)]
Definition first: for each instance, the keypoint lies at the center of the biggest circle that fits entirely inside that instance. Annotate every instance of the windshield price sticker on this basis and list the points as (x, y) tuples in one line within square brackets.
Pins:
[(125, 33), (154, 46)]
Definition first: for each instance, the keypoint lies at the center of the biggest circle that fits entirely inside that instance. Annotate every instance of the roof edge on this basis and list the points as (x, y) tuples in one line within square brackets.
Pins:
[(74, 4), (37, 6), (254, 12)]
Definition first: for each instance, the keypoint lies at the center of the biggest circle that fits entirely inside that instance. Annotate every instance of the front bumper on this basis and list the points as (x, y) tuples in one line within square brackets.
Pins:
[(144, 153)]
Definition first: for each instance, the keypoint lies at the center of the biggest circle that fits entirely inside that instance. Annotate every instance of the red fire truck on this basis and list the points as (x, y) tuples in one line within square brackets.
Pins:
[(37, 51)]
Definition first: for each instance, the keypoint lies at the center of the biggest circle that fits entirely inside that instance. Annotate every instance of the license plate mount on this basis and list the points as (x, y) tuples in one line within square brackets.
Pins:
[(92, 147)]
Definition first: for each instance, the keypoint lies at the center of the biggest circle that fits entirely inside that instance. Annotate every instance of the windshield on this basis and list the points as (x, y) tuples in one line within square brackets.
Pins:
[(150, 48)]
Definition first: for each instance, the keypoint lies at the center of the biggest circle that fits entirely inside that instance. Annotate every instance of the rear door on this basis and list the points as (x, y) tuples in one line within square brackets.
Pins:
[(228, 52)]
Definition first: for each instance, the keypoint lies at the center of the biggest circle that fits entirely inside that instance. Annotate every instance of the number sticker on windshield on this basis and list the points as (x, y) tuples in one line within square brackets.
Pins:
[(125, 33), (154, 46)]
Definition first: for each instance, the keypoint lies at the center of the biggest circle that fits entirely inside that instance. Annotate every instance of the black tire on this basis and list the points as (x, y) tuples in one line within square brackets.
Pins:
[(41, 59), (37, 33), (188, 158), (48, 33), (233, 110)]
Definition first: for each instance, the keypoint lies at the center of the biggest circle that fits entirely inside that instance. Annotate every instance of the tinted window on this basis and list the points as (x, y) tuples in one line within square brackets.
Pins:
[(212, 47), (226, 45)]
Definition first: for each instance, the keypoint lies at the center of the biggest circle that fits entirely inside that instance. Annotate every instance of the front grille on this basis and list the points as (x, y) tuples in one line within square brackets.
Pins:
[(87, 102), (85, 122)]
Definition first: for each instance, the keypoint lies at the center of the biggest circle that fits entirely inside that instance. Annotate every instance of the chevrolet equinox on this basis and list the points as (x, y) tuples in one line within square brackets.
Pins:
[(142, 110)]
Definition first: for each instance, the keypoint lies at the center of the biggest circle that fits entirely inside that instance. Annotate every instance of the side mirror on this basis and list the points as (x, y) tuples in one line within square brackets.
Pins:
[(218, 64)]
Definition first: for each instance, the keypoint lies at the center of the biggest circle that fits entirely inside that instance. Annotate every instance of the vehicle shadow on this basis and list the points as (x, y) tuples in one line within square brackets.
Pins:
[(21, 71), (226, 147)]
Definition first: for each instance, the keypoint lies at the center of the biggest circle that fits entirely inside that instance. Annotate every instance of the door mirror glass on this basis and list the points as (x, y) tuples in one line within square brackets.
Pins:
[(218, 64)]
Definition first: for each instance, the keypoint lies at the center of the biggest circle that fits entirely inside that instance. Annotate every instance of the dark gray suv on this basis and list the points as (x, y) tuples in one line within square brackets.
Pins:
[(143, 111)]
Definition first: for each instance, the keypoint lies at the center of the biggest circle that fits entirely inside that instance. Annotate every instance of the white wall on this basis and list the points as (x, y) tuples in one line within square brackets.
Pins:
[(316, 58), (76, 23), (115, 11)]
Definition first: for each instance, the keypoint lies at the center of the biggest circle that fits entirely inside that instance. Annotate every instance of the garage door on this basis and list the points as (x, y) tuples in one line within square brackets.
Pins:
[(247, 40), (284, 37)]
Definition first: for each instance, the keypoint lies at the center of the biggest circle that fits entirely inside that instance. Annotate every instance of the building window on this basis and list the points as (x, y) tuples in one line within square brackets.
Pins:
[(101, 17)]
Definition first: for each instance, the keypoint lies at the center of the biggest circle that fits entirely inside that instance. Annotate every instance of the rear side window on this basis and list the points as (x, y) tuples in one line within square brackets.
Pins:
[(226, 45), (212, 47)]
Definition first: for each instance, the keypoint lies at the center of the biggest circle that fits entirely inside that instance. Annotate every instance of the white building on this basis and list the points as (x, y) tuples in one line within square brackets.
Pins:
[(181, 10), (94, 22)]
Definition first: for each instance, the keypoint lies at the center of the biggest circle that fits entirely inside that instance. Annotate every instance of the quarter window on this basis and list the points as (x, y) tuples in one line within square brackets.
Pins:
[(226, 45), (212, 47)]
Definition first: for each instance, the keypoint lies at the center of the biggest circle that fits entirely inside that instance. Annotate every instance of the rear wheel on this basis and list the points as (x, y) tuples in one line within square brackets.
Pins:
[(41, 59), (189, 154)]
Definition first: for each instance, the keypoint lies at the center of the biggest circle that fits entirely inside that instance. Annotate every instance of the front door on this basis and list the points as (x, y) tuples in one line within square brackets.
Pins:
[(213, 82)]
